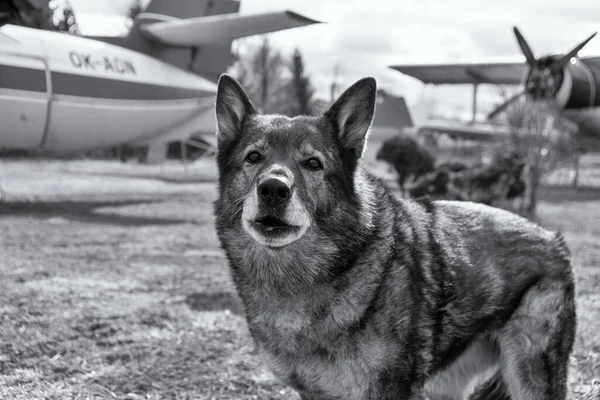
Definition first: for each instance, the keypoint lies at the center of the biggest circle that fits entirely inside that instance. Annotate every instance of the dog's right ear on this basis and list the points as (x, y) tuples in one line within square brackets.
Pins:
[(352, 115), (232, 108)]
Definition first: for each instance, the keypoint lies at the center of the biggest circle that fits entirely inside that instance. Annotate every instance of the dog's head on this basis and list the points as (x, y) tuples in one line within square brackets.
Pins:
[(279, 176)]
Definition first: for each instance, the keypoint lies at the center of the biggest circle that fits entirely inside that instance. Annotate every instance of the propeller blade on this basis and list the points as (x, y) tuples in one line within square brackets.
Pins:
[(565, 59), (505, 105), (525, 48)]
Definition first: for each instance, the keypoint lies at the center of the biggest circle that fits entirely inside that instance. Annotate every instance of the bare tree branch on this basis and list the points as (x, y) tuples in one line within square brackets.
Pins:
[(544, 138)]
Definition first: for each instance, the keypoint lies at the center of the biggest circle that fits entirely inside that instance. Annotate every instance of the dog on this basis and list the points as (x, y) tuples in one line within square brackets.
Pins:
[(352, 293), (493, 183)]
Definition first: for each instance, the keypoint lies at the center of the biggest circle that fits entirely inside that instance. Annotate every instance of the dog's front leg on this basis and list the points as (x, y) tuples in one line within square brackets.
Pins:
[(393, 390), (389, 392), (386, 396)]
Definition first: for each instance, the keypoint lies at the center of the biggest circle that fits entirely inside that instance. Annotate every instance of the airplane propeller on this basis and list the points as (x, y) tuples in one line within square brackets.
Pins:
[(505, 105), (525, 49), (544, 73)]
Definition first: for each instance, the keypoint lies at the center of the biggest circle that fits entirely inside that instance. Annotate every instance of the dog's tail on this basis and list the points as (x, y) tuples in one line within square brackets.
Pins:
[(561, 246)]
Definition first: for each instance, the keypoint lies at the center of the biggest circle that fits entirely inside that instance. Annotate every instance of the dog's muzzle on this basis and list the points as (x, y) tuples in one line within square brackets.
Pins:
[(274, 192), (273, 214)]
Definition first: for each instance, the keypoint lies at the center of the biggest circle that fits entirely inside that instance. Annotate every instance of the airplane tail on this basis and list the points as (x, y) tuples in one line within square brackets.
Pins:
[(197, 35), (209, 60)]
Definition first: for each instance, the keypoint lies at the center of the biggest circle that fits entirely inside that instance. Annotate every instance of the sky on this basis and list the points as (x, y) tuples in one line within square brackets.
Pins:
[(364, 38)]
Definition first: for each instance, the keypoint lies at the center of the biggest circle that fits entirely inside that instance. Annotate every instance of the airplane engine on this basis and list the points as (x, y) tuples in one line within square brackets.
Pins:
[(572, 87), (581, 91), (564, 88)]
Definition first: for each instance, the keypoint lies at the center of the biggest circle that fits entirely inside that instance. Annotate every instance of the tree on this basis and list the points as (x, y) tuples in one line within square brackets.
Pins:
[(47, 16), (68, 22), (261, 70), (239, 65), (335, 81), (546, 140), (300, 84), (274, 84), (505, 92), (133, 9), (136, 7), (267, 65), (39, 17)]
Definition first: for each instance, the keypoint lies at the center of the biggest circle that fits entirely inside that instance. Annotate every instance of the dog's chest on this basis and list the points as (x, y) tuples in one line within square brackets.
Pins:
[(313, 355)]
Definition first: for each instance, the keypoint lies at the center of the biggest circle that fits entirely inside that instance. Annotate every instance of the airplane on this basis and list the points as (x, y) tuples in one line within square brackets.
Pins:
[(158, 83), (570, 82)]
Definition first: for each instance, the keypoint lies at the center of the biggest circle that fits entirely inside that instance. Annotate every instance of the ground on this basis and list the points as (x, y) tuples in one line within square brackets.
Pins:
[(112, 285)]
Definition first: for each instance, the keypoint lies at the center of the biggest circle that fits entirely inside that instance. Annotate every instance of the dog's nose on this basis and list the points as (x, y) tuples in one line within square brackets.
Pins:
[(274, 191)]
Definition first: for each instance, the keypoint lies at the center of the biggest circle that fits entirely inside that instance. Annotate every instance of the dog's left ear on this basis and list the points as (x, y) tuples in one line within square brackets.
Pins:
[(352, 114), (232, 108)]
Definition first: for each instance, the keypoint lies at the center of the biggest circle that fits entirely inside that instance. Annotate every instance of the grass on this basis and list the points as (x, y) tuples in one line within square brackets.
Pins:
[(113, 287)]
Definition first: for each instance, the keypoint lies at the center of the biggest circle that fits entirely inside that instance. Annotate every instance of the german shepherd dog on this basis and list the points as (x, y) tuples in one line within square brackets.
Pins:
[(352, 293)]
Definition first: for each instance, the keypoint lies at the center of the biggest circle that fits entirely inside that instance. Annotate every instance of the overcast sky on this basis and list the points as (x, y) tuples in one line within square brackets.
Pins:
[(365, 37)]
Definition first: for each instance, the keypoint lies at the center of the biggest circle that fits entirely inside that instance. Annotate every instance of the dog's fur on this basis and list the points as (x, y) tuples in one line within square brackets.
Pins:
[(351, 293)]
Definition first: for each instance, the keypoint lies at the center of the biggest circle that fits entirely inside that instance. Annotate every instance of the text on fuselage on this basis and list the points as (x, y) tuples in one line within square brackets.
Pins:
[(102, 63)]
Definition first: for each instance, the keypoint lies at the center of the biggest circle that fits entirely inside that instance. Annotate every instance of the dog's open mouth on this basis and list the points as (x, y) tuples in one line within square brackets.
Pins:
[(272, 226), (270, 223), (273, 232)]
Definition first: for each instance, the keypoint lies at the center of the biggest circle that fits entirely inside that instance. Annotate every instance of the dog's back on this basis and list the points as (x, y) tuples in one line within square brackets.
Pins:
[(351, 293)]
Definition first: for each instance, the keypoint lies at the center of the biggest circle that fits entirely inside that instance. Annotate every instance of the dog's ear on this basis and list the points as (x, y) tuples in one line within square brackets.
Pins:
[(352, 114), (232, 108)]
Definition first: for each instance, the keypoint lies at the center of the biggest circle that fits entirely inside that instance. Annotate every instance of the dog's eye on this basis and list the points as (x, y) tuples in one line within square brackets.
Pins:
[(314, 164), (253, 157)]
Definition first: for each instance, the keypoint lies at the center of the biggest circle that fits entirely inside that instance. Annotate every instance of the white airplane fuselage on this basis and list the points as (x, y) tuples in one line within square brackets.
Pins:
[(64, 92)]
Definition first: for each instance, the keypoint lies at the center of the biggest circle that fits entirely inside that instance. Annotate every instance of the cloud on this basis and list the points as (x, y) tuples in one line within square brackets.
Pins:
[(101, 24), (543, 37), (571, 12)]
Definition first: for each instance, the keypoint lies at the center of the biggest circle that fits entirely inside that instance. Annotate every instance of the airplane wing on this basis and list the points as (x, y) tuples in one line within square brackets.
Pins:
[(494, 73), (194, 32), (479, 132), (499, 72), (591, 60)]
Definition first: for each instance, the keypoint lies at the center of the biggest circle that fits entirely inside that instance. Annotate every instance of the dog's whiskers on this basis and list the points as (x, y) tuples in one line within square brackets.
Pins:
[(234, 203)]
